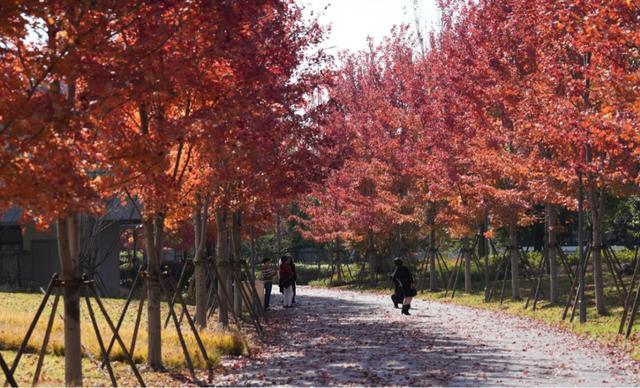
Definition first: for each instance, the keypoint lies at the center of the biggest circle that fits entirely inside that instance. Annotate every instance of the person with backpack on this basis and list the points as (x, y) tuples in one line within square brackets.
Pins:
[(403, 280), (286, 280), (268, 273)]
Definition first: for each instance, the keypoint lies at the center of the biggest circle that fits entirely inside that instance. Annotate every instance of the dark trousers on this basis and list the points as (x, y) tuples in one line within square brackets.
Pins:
[(267, 294)]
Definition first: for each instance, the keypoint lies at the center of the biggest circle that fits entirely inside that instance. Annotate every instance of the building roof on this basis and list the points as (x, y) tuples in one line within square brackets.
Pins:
[(116, 211), (11, 215)]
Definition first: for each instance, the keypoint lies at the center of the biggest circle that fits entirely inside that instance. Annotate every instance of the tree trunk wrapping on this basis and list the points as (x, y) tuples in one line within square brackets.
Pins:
[(596, 250), (236, 242), (372, 259), (154, 326), (467, 265), (433, 280), (339, 276), (552, 233), (513, 249), (199, 261), (485, 252), (222, 261), (67, 235)]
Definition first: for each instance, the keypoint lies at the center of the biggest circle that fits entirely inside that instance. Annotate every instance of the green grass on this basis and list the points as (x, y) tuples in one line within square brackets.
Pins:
[(17, 311), (313, 275)]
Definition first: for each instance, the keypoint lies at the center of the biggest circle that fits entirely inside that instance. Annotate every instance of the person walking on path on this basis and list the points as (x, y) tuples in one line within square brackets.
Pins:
[(402, 277), (286, 280), (268, 273)]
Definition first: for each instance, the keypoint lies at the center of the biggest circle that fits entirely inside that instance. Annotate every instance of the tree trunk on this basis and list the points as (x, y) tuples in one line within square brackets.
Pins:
[(236, 245), (433, 280), (222, 262), (433, 277), (278, 237), (372, 258), (399, 244), (513, 247), (597, 204), (552, 251), (581, 254), (484, 252), (339, 276), (467, 265), (154, 328), (254, 254), (200, 262), (67, 235)]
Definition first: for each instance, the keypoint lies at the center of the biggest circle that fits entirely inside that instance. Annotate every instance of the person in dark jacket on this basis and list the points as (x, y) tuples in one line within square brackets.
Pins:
[(403, 280), (397, 296), (286, 281)]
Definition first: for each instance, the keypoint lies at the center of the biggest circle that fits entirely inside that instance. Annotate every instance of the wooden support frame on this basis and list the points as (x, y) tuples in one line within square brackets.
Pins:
[(627, 302), (8, 374), (453, 274), (247, 300), (504, 261), (615, 268), (124, 311), (542, 266), (45, 341), (56, 286), (582, 267), (172, 302), (254, 291), (169, 290)]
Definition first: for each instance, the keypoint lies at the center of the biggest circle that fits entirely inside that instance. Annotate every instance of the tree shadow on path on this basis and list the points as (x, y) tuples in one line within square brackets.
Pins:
[(329, 341)]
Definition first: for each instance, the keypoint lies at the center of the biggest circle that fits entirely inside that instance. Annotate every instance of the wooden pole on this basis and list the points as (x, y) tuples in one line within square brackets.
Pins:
[(45, 341), (634, 312), (136, 327), (574, 290), (565, 263), (504, 279), (254, 290), (583, 267), (227, 299), (627, 301), (534, 290), (194, 330), (52, 283), (252, 313), (455, 280), (103, 350), (123, 313), (452, 273), (7, 373), (127, 355), (617, 279), (535, 297), (180, 284)]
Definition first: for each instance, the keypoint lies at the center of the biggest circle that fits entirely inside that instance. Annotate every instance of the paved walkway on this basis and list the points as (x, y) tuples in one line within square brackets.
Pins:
[(336, 337)]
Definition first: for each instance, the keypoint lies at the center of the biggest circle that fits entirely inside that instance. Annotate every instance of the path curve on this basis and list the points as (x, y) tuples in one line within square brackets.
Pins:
[(338, 337)]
